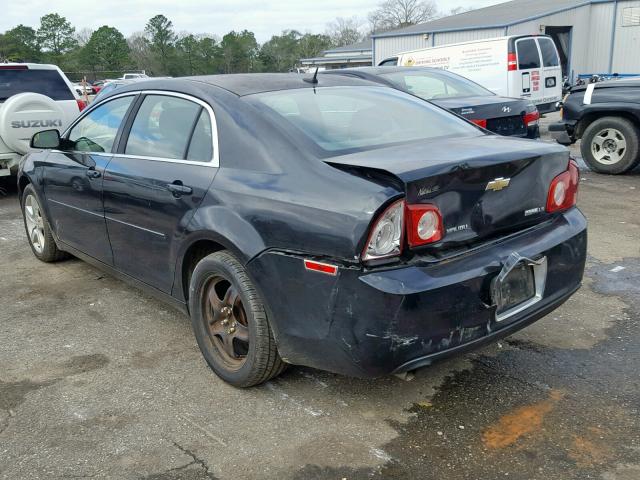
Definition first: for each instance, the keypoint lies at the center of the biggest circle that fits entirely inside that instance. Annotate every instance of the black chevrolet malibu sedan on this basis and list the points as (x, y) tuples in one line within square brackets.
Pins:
[(337, 224)]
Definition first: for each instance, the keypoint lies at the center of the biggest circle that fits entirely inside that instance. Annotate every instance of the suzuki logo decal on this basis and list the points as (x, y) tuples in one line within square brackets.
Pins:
[(498, 184), (506, 109)]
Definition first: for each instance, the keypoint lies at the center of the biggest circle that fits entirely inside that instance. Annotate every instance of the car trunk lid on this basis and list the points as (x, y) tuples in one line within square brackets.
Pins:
[(482, 185)]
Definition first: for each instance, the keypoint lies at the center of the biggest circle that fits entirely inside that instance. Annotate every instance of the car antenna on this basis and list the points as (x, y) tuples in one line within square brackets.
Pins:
[(314, 79)]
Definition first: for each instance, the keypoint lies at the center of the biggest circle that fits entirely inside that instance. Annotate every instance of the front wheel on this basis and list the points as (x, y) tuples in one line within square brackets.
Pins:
[(610, 145), (230, 322)]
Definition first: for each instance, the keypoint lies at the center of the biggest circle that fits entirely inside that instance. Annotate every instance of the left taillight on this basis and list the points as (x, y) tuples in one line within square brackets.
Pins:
[(81, 104), (480, 122), (563, 190), (387, 234), (422, 224)]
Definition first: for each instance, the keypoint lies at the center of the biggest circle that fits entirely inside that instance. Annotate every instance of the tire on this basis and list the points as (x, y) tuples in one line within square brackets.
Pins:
[(37, 228), (225, 310), (610, 145)]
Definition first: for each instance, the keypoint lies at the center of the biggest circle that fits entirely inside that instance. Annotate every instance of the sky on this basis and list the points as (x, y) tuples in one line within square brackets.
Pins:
[(263, 17)]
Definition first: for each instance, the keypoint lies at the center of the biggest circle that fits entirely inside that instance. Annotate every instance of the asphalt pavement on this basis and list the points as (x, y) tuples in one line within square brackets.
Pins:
[(99, 380)]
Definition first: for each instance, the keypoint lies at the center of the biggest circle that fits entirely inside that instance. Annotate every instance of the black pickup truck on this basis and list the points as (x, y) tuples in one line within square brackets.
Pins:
[(606, 116)]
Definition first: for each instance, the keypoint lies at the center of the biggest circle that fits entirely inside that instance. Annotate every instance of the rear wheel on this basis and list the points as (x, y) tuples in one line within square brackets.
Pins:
[(610, 145), (38, 231), (230, 322)]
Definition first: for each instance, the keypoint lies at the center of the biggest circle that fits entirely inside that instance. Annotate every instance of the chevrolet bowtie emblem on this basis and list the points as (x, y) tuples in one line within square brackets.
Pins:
[(498, 184)]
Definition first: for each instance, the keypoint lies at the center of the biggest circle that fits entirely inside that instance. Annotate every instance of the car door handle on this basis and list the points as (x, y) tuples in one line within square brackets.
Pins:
[(93, 173), (177, 189)]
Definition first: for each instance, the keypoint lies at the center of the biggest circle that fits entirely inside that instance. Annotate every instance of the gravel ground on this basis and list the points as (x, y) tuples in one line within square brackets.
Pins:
[(98, 380)]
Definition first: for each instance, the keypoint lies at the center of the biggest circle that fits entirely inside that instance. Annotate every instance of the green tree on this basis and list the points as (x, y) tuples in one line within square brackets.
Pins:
[(23, 44), (56, 35), (159, 29), (209, 56), (312, 45), (107, 49), (186, 48), (239, 51), (281, 52)]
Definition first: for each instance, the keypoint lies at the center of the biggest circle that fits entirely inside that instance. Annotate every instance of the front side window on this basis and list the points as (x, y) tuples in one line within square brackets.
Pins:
[(434, 85), (97, 131), (357, 118), (162, 127), (528, 56), (549, 54)]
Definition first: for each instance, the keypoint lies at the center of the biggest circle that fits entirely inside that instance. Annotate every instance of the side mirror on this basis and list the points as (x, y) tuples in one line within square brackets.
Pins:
[(47, 139)]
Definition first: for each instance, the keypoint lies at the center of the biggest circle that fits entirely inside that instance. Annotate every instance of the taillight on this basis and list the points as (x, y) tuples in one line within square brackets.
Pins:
[(424, 224), (387, 234), (14, 67), (480, 122), (532, 118), (564, 189), (512, 62), (81, 104)]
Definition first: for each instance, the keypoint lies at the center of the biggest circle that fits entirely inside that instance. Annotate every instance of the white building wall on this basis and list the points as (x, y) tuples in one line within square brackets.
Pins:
[(626, 56), (590, 38), (386, 47), (446, 38)]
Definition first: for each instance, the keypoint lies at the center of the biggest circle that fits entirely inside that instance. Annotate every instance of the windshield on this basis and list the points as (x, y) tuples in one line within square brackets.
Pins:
[(343, 118), (435, 84)]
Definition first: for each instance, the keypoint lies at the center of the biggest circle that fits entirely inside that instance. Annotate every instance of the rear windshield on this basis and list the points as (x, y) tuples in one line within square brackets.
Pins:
[(434, 85), (528, 56), (357, 118), (45, 82)]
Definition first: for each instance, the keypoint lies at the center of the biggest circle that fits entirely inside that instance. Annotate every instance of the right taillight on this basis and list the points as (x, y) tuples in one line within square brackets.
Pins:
[(564, 189)]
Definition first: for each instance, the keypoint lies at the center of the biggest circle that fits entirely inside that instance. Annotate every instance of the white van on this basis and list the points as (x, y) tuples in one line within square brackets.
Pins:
[(516, 66)]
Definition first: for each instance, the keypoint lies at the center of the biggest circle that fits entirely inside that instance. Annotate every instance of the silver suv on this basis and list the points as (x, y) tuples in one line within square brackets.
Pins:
[(33, 97)]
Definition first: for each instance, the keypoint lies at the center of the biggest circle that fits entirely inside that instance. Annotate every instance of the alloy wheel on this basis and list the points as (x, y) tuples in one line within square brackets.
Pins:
[(35, 223), (608, 146), (226, 321)]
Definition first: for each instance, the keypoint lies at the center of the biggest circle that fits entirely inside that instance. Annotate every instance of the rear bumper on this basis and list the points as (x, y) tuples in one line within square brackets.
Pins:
[(372, 323)]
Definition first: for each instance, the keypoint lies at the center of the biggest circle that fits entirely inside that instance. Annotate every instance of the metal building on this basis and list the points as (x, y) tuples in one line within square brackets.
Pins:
[(355, 55), (597, 36)]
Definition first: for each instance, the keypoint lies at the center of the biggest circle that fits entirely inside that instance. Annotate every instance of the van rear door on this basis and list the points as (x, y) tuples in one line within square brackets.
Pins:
[(526, 77), (551, 77)]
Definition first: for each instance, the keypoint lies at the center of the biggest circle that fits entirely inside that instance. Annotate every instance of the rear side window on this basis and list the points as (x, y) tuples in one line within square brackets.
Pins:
[(97, 131), (528, 56), (162, 127), (201, 146), (45, 82), (549, 54)]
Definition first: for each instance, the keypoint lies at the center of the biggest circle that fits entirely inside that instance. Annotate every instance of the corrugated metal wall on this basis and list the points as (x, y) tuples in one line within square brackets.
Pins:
[(590, 42), (466, 36), (626, 57)]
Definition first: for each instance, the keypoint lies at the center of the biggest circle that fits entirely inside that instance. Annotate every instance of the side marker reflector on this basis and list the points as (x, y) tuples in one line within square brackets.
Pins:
[(321, 267)]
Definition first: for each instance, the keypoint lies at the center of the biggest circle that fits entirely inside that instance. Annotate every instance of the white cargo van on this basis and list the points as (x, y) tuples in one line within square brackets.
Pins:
[(516, 66)]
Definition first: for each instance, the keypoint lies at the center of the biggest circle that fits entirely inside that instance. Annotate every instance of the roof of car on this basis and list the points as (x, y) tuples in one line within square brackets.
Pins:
[(249, 83)]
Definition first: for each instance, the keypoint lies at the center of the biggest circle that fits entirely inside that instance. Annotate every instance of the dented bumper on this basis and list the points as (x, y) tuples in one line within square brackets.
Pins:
[(371, 323)]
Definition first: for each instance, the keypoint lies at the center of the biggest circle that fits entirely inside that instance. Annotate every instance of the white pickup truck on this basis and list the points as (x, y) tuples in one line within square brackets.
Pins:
[(33, 97)]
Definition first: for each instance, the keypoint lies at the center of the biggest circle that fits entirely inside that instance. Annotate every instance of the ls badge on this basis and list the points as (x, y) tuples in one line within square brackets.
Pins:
[(498, 184)]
